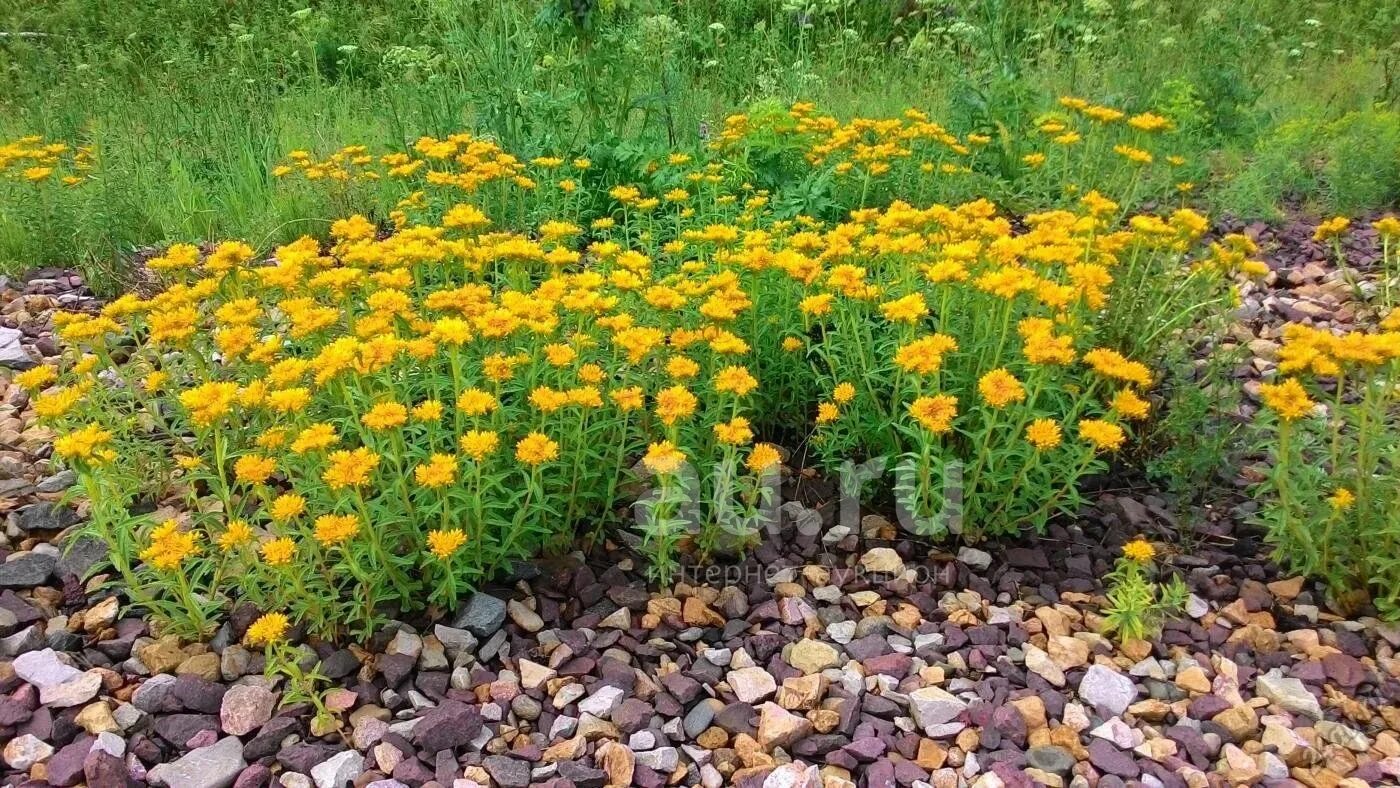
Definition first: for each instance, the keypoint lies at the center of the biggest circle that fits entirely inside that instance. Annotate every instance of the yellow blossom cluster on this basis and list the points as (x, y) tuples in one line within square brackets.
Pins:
[(390, 414)]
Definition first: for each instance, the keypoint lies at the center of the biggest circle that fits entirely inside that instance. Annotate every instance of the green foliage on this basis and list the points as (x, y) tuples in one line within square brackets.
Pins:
[(1138, 604), (189, 104)]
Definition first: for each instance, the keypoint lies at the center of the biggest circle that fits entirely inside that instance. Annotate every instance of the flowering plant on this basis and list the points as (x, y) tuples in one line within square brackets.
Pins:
[(1333, 486), (346, 430)]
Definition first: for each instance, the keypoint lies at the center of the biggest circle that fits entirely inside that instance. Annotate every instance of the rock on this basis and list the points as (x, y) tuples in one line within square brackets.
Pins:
[(73, 692), (812, 656), (451, 724), (802, 693), (1068, 652), (1052, 759), (524, 617), (12, 352), (1108, 758), (339, 770), (1241, 721), (1343, 736), (215, 766), (1288, 693), (97, 718), (507, 772), (751, 685), (618, 761), (778, 727), (45, 517), (534, 675), (1105, 688), (933, 706), (482, 615), (882, 560), (1194, 680), (26, 570), (1040, 663), (43, 668), (205, 666), (976, 560), (245, 708), (794, 775), (161, 656), (24, 751)]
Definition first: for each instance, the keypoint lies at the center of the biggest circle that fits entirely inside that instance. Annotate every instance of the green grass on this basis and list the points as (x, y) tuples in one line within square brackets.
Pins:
[(190, 103)]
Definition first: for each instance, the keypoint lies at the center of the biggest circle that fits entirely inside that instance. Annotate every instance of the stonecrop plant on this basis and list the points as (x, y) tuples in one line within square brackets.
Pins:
[(1332, 425), (342, 430)]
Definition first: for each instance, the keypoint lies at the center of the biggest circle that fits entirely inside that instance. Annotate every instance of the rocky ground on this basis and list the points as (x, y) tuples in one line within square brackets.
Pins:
[(840, 657)]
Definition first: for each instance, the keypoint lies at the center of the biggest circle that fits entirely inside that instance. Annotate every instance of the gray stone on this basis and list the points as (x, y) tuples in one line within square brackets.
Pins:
[(976, 560), (482, 615), (339, 770), (45, 516), (934, 706), (26, 570), (12, 353), (1288, 693), (1055, 760), (215, 766), (44, 668)]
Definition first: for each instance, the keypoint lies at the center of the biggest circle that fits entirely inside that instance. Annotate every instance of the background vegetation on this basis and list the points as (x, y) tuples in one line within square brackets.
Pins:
[(188, 104)]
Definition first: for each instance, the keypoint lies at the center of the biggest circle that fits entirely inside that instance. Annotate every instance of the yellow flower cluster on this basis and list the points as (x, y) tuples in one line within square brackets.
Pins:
[(361, 409)]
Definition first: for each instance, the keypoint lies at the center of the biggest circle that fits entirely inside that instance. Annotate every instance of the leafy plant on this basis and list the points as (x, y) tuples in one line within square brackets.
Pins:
[(1138, 604)]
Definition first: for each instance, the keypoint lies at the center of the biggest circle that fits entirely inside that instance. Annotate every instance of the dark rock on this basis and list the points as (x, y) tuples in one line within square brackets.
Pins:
[(451, 724)]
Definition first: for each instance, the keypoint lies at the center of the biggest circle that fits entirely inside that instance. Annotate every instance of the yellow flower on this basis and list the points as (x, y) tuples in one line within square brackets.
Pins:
[(935, 413), (1043, 434), (478, 444), (535, 449), (267, 630), (169, 546), (924, 356), (254, 468), (792, 344), (37, 378), (315, 438), (439, 471), (385, 416), (475, 402), (1104, 435), (1000, 388), (84, 444), (736, 380), (334, 529), (763, 457), (627, 399), (1289, 399), (1131, 406), (350, 468), (443, 543), (237, 534), (1331, 228), (428, 410), (286, 506), (843, 393), (909, 309), (278, 552), (735, 432), (1139, 550), (675, 403), (827, 412), (663, 458), (1342, 499)]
